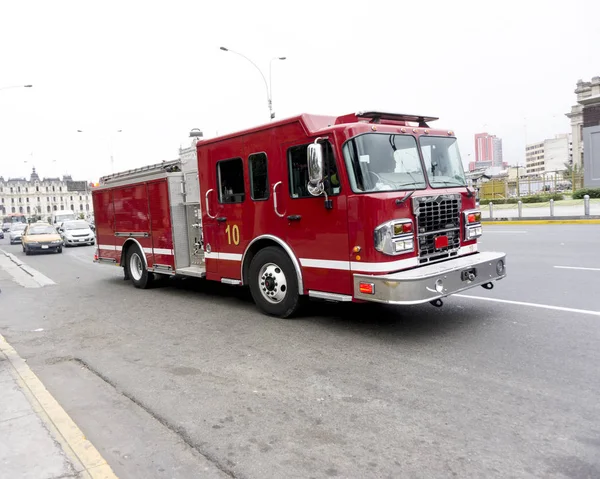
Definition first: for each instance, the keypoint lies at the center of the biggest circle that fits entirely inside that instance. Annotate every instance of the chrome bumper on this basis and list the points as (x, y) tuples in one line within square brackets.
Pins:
[(427, 283)]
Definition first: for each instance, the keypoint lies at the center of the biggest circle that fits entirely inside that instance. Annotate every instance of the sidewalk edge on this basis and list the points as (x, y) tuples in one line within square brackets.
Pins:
[(80, 450)]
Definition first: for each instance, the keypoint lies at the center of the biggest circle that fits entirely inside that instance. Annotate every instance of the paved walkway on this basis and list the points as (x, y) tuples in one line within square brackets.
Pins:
[(38, 440)]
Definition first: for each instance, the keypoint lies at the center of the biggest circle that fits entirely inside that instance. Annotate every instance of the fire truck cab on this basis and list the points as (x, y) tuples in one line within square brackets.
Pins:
[(370, 206)]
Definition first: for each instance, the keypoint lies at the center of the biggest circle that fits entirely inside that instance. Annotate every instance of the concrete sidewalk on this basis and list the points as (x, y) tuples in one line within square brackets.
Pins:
[(38, 440)]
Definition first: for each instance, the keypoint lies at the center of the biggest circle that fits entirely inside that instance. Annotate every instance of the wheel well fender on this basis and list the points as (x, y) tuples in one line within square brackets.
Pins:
[(262, 242)]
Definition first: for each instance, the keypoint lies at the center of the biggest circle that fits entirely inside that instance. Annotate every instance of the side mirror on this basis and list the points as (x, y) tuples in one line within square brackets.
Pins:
[(315, 169)]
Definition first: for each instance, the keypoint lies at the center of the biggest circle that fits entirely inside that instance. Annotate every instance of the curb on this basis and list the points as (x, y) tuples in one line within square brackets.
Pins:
[(83, 454), (38, 277)]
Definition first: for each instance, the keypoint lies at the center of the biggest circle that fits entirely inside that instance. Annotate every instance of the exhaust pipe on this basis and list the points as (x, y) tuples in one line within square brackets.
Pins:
[(438, 303), (487, 285)]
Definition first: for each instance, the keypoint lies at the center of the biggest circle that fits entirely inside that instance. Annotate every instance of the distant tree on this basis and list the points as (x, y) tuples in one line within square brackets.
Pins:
[(572, 170)]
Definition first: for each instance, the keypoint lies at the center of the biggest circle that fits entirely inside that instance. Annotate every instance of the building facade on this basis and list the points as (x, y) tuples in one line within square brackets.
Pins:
[(588, 105), (38, 198), (549, 156), (488, 152)]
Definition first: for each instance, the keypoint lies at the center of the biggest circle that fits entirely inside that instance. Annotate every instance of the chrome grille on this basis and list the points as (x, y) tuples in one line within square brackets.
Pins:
[(437, 216)]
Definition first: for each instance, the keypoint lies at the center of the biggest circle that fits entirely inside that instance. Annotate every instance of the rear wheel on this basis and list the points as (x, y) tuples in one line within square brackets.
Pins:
[(273, 282), (136, 268)]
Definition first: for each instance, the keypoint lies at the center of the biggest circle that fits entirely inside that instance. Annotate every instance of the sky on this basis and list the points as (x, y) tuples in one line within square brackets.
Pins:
[(154, 70)]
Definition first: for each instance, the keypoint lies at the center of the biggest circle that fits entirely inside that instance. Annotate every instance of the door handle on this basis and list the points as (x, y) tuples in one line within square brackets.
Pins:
[(275, 199), (294, 217), (222, 219), (208, 204)]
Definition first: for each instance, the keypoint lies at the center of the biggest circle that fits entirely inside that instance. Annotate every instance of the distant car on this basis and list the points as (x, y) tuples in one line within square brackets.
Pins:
[(15, 232), (76, 233), (6, 227), (41, 237)]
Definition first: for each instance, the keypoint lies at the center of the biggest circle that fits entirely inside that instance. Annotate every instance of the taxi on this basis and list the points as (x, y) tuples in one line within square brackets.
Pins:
[(41, 236)]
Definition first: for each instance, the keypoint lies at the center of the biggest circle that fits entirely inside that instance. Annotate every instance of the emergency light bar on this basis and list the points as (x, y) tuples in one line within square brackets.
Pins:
[(376, 116)]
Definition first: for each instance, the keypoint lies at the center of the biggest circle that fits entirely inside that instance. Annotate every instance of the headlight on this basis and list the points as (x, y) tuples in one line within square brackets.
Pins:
[(473, 228), (395, 237)]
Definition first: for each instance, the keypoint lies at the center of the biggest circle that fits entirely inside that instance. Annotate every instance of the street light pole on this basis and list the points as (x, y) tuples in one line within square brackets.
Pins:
[(15, 86), (267, 85)]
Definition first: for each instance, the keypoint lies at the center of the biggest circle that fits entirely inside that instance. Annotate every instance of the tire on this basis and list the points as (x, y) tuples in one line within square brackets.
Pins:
[(59, 249), (136, 268), (27, 252), (271, 269)]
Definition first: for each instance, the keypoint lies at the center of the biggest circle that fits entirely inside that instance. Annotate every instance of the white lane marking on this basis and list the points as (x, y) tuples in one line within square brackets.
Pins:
[(532, 305), (578, 267)]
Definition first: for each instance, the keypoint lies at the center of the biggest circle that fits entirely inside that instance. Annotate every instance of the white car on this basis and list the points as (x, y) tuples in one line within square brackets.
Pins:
[(76, 232), (15, 232)]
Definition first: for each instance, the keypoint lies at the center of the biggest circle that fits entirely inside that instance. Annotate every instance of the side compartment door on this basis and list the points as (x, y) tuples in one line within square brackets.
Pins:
[(160, 223), (104, 217), (132, 218)]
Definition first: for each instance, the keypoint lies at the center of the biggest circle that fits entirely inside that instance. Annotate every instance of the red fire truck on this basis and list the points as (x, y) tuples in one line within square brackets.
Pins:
[(371, 206)]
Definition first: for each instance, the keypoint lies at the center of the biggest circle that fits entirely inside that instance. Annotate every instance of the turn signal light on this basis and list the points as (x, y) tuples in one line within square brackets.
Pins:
[(403, 228), (474, 217), (366, 288)]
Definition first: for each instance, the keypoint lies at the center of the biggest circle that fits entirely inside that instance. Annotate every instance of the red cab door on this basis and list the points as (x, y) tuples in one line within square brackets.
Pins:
[(317, 234)]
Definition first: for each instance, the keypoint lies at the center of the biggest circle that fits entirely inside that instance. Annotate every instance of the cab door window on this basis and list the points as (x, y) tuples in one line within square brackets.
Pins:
[(230, 179), (298, 171), (259, 178)]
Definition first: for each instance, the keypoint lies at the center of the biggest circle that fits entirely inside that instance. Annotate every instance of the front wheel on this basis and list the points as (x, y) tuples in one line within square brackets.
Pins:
[(136, 268), (273, 282)]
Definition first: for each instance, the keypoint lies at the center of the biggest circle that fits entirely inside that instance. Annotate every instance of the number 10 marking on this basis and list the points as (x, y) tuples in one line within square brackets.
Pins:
[(233, 234)]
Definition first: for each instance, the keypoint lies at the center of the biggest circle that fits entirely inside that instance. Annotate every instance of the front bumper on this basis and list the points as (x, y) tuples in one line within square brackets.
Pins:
[(43, 246), (84, 240), (428, 283)]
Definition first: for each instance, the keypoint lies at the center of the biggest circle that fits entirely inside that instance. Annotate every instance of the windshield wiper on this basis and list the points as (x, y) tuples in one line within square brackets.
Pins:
[(449, 183)]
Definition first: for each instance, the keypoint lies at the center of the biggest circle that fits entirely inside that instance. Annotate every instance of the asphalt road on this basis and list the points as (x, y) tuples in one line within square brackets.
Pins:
[(189, 380)]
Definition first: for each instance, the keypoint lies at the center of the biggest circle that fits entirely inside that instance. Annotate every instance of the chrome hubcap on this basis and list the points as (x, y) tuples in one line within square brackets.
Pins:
[(136, 267), (272, 282)]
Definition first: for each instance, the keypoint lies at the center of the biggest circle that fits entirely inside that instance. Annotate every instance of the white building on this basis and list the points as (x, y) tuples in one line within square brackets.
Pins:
[(548, 156), (37, 197)]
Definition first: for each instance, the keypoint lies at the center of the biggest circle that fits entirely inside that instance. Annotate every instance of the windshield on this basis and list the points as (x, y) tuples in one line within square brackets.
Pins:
[(76, 225), (442, 161), (382, 162), (41, 230), (18, 227)]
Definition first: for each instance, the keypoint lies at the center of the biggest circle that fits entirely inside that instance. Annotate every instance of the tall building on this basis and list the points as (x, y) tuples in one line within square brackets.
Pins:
[(548, 156), (488, 152), (39, 198), (588, 105)]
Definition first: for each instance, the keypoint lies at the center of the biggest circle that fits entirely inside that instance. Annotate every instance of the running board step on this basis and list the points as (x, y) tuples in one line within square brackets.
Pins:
[(197, 271)]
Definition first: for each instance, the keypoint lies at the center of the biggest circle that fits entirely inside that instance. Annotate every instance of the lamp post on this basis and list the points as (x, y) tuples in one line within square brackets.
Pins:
[(15, 86), (268, 85), (112, 160)]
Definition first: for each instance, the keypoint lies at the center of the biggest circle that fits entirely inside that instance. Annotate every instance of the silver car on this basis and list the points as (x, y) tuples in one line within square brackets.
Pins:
[(15, 232), (76, 232)]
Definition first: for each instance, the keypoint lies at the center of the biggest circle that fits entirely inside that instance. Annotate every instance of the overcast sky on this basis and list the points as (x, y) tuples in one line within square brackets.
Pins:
[(154, 70)]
